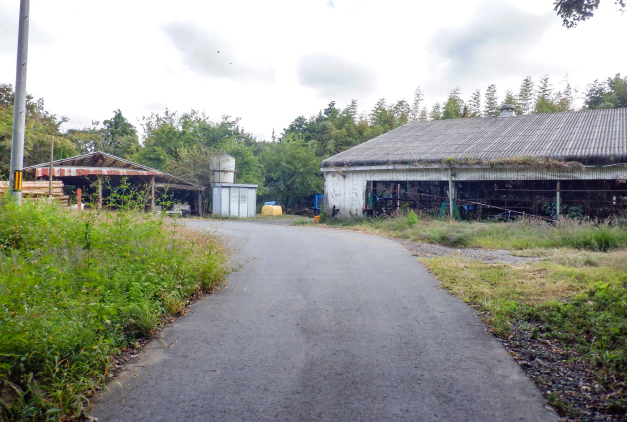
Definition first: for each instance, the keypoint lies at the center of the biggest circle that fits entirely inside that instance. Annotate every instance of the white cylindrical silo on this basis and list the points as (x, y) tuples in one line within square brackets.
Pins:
[(222, 169)]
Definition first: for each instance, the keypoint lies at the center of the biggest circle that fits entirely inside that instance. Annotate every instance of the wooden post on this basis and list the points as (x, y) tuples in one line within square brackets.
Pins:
[(79, 193), (200, 210), (451, 193), (50, 169), (152, 194), (99, 192), (557, 201)]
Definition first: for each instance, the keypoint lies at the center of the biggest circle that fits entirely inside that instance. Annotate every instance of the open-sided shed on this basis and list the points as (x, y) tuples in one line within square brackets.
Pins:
[(544, 164), (89, 171)]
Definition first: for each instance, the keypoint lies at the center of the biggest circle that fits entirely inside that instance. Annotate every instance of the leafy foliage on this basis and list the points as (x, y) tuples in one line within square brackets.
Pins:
[(574, 11), (75, 289), (292, 170), (40, 127)]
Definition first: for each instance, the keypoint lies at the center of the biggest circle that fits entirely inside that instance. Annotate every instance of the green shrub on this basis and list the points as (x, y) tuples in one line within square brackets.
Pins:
[(76, 288), (412, 218)]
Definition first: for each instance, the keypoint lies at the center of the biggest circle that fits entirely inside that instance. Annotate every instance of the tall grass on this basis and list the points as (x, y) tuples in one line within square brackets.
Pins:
[(520, 234), (78, 287)]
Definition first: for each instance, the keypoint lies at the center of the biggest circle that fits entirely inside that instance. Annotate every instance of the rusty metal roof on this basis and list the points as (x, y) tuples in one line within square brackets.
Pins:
[(589, 137), (94, 159), (102, 164)]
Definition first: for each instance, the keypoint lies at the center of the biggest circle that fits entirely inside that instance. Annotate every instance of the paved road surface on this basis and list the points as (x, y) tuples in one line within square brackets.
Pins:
[(323, 325)]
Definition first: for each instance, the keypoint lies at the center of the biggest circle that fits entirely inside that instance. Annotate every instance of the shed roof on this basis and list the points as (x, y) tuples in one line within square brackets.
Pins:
[(589, 137), (99, 163)]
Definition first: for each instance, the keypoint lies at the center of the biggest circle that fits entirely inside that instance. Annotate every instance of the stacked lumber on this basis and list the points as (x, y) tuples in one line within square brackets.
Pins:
[(39, 190)]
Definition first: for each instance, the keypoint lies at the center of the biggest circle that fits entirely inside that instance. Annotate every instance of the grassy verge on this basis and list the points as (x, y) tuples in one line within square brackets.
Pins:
[(575, 298), (78, 288), (521, 234)]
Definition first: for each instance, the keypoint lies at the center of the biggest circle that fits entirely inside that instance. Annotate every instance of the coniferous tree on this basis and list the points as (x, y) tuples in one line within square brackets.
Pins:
[(424, 115), (415, 108), (491, 102), (544, 97), (526, 96), (400, 112), (474, 105), (511, 99), (436, 112), (454, 106)]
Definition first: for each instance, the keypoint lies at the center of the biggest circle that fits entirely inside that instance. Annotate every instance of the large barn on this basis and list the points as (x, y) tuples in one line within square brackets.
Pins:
[(570, 164)]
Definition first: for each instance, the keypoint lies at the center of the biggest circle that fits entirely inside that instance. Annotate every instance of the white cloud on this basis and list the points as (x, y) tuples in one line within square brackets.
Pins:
[(283, 58)]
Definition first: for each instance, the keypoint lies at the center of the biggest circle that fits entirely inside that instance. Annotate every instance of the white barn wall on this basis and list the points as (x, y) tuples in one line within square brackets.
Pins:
[(345, 188)]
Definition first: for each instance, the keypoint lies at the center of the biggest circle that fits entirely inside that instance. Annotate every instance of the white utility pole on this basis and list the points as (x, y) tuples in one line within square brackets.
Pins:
[(19, 105)]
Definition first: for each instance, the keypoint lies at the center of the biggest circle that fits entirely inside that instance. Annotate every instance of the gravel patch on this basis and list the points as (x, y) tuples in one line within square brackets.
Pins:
[(428, 250), (565, 378)]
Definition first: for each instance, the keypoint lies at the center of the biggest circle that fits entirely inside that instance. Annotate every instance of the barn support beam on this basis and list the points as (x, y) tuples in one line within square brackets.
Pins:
[(152, 194), (200, 210), (99, 192), (558, 200), (451, 194)]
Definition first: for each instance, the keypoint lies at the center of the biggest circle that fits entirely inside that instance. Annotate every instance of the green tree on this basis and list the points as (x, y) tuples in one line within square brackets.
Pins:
[(564, 100), (436, 112), (526, 96), (511, 99), (40, 127), (292, 170), (491, 102), (574, 11), (474, 105), (401, 112), (454, 106), (119, 136), (544, 97), (415, 108), (424, 115), (611, 94)]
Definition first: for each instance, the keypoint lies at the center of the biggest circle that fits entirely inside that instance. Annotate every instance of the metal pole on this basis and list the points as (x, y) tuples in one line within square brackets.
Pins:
[(99, 192), (451, 193), (557, 201), (19, 105), (152, 194), (50, 170)]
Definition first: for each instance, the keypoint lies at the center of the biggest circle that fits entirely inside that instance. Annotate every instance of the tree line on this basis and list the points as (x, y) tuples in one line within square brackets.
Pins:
[(287, 167)]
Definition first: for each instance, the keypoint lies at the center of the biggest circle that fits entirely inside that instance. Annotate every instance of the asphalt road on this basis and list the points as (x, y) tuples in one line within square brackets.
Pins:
[(323, 325)]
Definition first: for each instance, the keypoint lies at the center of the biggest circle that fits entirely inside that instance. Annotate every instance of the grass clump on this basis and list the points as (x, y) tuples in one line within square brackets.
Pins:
[(576, 297), (519, 234), (76, 288)]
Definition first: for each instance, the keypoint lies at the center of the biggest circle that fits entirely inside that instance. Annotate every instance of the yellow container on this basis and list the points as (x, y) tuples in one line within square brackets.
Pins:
[(273, 210), (267, 210)]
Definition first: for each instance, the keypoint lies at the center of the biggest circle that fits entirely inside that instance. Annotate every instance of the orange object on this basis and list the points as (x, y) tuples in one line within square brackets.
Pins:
[(316, 218)]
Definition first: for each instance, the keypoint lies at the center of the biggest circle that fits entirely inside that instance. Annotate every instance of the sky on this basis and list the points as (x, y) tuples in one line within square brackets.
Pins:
[(267, 62)]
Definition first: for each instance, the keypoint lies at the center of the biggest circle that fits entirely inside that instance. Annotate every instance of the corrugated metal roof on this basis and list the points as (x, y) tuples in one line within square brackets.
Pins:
[(99, 163), (590, 136), (94, 159)]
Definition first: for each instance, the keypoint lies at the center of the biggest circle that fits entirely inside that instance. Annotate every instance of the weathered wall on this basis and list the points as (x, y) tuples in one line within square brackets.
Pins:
[(344, 188)]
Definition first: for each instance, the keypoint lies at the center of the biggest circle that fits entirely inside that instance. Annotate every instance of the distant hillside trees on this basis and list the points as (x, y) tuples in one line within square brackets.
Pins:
[(609, 94)]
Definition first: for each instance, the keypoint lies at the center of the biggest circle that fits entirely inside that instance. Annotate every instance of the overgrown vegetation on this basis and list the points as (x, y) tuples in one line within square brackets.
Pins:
[(520, 234), (77, 288), (575, 292)]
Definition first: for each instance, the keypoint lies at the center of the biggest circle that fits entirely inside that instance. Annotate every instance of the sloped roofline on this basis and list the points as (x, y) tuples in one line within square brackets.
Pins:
[(116, 161), (587, 137)]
